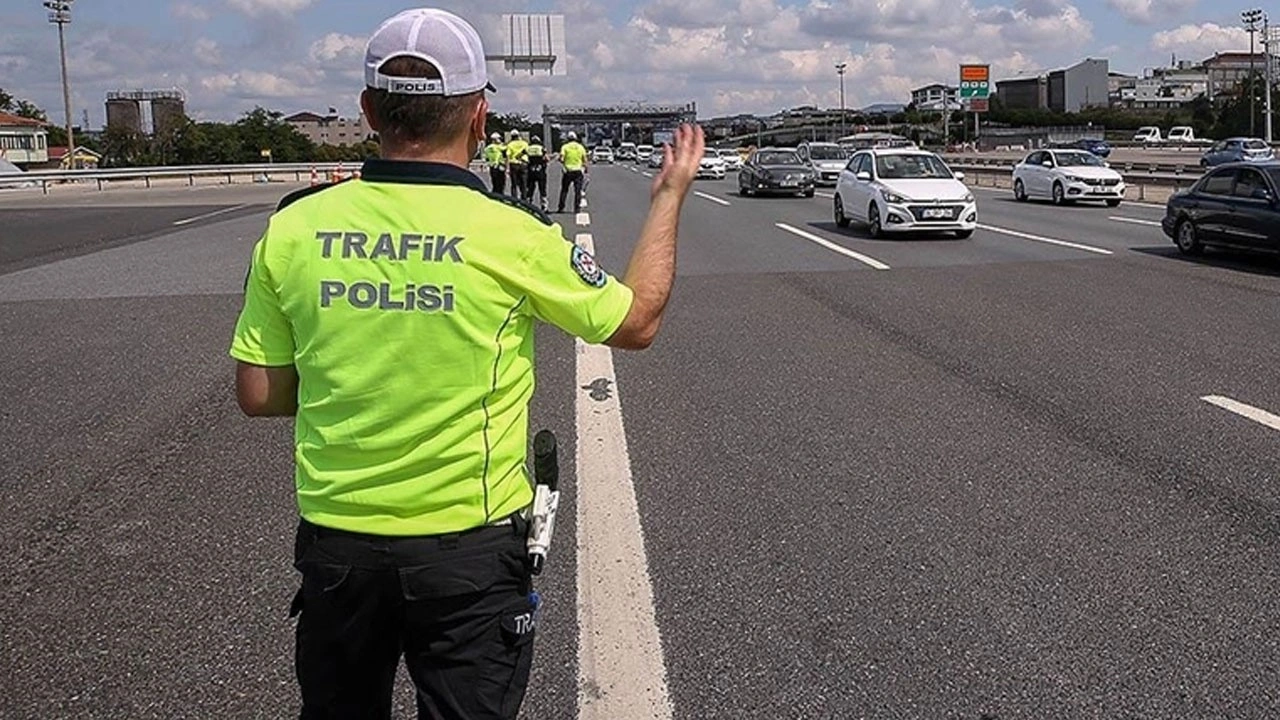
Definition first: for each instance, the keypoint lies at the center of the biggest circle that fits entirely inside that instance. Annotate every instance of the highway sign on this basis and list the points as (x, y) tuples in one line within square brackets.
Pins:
[(975, 82)]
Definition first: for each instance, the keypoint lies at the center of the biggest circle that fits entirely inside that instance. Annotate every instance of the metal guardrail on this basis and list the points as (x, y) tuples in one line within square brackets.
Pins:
[(1154, 175), (190, 172)]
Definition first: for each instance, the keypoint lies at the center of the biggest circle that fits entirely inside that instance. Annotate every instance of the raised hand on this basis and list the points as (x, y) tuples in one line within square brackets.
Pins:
[(680, 161)]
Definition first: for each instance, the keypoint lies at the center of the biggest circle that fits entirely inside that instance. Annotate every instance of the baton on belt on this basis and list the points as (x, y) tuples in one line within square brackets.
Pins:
[(546, 498)]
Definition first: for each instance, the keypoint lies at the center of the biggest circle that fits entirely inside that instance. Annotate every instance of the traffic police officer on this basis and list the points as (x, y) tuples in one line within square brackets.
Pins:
[(537, 155), (392, 316), (517, 161), (495, 155), (573, 156)]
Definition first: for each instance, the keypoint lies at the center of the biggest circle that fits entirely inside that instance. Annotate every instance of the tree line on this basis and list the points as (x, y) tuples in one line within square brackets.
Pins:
[(191, 142)]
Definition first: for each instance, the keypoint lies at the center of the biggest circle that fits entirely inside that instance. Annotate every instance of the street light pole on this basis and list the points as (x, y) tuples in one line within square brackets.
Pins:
[(60, 15), (1250, 18), (840, 68), (1268, 37)]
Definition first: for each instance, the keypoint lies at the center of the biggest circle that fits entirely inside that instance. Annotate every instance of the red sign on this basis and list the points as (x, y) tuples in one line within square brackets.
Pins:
[(979, 105)]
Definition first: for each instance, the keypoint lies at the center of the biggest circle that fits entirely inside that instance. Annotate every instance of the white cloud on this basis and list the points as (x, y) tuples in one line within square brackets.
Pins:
[(252, 84), (207, 51), (337, 48), (1149, 11), (258, 8), (1201, 41), (190, 11)]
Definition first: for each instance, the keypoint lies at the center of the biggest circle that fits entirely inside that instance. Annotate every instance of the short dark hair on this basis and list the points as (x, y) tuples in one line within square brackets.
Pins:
[(433, 120)]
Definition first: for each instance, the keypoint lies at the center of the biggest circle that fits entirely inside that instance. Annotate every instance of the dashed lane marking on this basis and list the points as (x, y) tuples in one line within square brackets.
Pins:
[(188, 221), (712, 198), (864, 259), (1048, 240), (1257, 415), (1135, 221), (583, 219)]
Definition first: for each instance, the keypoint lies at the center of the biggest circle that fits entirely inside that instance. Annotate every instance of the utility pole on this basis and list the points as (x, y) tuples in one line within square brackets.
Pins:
[(1269, 35), (840, 68), (1251, 18), (60, 15)]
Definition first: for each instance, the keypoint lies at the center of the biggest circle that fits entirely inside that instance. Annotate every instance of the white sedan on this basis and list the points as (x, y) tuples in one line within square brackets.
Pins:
[(896, 190), (1065, 176), (732, 160), (712, 165)]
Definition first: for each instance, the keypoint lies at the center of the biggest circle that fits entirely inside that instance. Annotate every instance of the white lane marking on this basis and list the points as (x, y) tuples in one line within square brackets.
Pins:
[(828, 196), (712, 198), (582, 218), (646, 173), (621, 672), (1246, 411), (1041, 238), (864, 259), (187, 221), (1135, 221)]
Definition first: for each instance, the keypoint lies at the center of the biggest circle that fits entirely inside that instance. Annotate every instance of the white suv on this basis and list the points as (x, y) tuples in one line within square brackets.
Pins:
[(903, 190)]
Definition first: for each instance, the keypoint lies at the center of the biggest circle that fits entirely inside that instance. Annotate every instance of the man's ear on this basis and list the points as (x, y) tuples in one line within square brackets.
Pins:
[(366, 107), (480, 119)]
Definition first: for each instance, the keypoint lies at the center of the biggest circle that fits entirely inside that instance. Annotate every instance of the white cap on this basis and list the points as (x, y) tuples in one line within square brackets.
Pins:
[(496, 136), (572, 135), (441, 38)]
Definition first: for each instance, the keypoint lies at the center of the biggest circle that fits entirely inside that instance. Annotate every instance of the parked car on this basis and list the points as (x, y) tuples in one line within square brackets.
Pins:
[(825, 159), (775, 170), (1232, 206), (643, 153), (895, 190), (1185, 135), (712, 165), (602, 155), (1065, 176), (1237, 149), (1148, 135), (1093, 145)]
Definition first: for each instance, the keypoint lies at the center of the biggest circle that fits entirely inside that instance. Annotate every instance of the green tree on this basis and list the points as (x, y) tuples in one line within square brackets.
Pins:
[(28, 109), (6, 101)]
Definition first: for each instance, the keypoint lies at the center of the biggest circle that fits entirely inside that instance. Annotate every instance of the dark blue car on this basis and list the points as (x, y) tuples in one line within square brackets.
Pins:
[(1093, 145)]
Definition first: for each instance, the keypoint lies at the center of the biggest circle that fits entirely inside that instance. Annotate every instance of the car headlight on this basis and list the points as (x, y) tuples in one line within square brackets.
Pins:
[(1075, 179), (893, 197), (968, 197)]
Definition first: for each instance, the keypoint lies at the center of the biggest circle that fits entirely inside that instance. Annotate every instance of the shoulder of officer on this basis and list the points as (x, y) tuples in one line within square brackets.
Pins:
[(297, 195), (523, 206)]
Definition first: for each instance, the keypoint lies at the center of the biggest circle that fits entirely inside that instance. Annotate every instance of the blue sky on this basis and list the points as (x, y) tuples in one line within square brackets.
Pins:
[(728, 55)]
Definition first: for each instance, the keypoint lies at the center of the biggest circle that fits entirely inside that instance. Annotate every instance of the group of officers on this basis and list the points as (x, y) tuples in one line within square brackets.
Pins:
[(524, 164)]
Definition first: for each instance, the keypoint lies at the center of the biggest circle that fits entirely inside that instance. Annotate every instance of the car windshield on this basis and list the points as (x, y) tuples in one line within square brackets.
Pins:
[(828, 153), (1078, 160), (903, 167), (778, 158), (711, 153)]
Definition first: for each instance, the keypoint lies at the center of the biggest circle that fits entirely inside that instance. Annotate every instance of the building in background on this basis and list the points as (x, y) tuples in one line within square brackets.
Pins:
[(1169, 89), (1083, 85), (935, 97), (1226, 71), (331, 129), (23, 141), (124, 114), (1121, 89)]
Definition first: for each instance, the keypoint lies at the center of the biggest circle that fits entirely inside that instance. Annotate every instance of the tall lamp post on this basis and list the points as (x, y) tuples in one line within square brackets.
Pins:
[(840, 68), (60, 15), (1251, 18)]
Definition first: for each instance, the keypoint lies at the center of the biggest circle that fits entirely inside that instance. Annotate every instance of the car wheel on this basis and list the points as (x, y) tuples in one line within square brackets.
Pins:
[(874, 228), (809, 193), (1059, 195), (964, 234), (1019, 191), (842, 220), (1113, 203), (743, 190), (1188, 238)]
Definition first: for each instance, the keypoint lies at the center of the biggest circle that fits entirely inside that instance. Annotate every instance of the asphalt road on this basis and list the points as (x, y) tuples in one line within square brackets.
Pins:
[(981, 483)]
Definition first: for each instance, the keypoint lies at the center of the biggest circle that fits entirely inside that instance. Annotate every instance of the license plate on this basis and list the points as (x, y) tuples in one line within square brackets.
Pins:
[(1102, 191), (789, 183), (936, 213)]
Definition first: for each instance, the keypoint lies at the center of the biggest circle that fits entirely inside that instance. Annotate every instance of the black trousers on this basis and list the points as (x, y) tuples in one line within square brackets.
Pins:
[(498, 179), (519, 181), (575, 178), (457, 607), (537, 185)]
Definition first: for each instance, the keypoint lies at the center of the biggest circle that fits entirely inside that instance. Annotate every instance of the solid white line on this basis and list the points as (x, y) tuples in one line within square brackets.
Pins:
[(186, 221), (1247, 411), (1039, 238), (1135, 221), (712, 198), (583, 218), (834, 247), (621, 672)]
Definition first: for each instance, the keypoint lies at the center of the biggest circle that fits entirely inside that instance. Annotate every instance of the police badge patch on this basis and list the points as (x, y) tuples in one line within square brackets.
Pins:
[(586, 267)]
